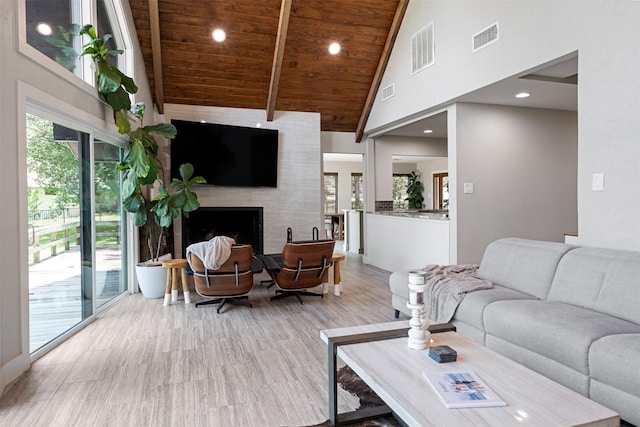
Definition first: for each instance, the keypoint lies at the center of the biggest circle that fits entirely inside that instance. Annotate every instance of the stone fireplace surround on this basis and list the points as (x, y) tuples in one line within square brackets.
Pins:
[(297, 200)]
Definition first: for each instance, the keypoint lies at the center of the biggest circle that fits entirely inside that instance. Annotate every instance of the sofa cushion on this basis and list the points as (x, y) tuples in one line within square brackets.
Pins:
[(556, 371), (472, 307), (615, 360), (603, 280), (558, 331), (524, 265)]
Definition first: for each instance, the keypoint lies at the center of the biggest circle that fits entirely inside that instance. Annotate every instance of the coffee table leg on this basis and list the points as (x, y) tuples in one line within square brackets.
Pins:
[(333, 383)]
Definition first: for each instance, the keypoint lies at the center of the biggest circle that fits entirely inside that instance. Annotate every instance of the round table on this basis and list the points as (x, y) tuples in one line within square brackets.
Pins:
[(175, 267)]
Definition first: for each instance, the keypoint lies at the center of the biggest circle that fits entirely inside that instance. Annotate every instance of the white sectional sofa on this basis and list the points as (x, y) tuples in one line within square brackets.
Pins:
[(570, 313)]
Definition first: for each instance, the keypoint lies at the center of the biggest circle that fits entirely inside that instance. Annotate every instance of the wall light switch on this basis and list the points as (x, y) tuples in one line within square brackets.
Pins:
[(597, 182), (468, 188)]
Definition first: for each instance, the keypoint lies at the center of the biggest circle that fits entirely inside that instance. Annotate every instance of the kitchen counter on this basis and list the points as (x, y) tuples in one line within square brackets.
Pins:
[(402, 240), (423, 214)]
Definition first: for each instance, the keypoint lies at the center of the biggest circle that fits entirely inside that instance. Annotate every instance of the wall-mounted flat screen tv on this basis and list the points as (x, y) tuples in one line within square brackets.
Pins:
[(226, 155)]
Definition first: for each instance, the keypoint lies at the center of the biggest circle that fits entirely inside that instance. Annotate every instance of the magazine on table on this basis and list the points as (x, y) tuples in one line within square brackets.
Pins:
[(462, 390)]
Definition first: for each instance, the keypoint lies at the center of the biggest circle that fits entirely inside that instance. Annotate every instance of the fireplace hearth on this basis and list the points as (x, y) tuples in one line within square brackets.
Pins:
[(244, 224)]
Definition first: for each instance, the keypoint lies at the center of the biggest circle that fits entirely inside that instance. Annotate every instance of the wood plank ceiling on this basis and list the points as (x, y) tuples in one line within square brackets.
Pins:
[(275, 55)]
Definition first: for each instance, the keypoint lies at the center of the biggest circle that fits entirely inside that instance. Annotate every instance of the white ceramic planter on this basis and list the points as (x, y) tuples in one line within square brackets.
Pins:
[(152, 280)]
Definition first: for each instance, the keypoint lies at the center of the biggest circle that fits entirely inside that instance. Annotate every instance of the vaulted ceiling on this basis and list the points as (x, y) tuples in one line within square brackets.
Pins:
[(275, 56)]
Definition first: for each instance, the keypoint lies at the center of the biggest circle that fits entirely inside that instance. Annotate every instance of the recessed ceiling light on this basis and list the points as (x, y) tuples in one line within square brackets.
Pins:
[(334, 48), (44, 29), (203, 121), (428, 131), (219, 35), (523, 95), (258, 125)]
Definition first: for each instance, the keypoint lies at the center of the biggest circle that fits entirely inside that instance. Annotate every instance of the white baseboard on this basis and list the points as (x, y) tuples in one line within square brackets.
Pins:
[(12, 370)]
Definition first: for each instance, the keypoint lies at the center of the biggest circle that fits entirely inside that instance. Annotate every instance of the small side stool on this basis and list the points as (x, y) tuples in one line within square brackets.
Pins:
[(337, 287), (174, 266)]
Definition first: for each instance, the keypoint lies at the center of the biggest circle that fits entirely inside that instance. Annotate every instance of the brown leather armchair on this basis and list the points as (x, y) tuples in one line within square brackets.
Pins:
[(303, 265), (230, 283)]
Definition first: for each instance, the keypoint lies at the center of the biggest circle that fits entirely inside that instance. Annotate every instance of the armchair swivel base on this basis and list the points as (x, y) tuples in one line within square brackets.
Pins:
[(284, 294), (244, 300)]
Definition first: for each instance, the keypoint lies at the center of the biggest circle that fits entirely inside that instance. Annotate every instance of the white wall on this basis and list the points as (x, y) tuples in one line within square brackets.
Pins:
[(522, 163), (297, 201), (603, 32), (7, 262), (341, 142), (427, 169), (403, 168)]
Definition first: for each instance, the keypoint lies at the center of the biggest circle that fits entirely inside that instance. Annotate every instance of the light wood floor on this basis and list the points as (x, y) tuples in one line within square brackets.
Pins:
[(141, 364)]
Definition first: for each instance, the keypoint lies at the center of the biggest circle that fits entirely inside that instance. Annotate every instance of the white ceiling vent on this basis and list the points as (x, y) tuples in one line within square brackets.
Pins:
[(485, 37), (388, 92), (422, 49)]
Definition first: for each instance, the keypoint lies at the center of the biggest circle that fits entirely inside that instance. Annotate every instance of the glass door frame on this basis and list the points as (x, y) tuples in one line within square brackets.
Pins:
[(33, 101)]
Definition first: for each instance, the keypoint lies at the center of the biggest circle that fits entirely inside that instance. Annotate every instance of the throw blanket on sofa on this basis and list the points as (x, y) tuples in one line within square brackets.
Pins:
[(213, 253), (447, 286)]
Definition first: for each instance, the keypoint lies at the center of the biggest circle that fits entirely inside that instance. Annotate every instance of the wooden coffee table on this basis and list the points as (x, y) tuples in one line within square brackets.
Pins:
[(395, 373)]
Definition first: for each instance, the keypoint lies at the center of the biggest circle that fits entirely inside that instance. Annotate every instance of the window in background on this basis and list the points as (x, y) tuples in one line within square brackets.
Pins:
[(330, 193), (50, 29), (399, 191), (52, 25), (108, 24), (441, 190), (357, 191)]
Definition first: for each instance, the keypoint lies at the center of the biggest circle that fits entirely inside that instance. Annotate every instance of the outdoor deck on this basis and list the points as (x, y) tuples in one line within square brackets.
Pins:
[(55, 295)]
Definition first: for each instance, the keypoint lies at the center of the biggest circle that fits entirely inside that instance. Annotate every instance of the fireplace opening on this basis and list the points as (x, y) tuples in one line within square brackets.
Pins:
[(244, 224)]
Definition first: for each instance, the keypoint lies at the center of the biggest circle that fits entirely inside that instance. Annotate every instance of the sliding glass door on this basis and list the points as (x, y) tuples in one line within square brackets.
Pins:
[(110, 241), (76, 247)]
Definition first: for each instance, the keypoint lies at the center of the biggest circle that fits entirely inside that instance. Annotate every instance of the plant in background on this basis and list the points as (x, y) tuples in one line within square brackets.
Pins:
[(140, 164), (65, 55), (414, 191)]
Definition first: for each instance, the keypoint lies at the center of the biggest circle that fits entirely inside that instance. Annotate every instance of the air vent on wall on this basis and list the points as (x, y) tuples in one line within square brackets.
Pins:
[(422, 49), (485, 37), (388, 92)]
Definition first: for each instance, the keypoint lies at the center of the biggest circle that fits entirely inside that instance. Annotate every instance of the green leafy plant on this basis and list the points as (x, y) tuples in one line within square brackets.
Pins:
[(140, 163), (414, 191), (62, 40)]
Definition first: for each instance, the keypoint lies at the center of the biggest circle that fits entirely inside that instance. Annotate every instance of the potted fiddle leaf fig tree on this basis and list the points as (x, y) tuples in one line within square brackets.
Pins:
[(414, 191), (140, 164)]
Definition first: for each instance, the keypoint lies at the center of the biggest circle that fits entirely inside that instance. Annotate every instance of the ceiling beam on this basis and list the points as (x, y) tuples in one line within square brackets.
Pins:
[(382, 65), (156, 49), (283, 25)]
